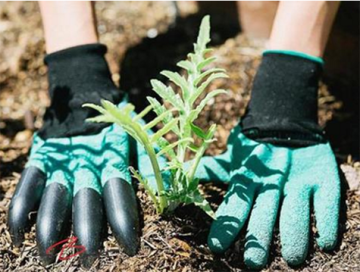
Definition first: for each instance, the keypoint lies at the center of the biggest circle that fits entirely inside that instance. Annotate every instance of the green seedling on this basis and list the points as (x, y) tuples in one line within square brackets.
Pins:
[(178, 118)]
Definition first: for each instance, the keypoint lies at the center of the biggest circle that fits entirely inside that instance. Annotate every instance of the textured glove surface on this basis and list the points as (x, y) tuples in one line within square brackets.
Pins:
[(85, 172), (259, 176)]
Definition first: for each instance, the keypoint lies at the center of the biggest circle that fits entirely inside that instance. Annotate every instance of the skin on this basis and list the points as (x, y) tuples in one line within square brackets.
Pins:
[(303, 26), (67, 24)]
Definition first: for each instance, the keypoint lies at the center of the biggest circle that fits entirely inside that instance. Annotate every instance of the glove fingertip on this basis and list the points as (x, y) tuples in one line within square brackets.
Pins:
[(295, 255), (122, 213), (88, 224), (215, 245), (327, 242), (25, 199), (220, 238), (255, 258), (53, 221), (256, 254)]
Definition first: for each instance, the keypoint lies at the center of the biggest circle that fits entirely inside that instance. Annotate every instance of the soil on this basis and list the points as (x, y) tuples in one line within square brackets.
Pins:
[(143, 39)]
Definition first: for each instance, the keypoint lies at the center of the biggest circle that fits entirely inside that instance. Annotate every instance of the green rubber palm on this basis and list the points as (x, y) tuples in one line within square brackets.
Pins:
[(86, 172), (90, 161), (259, 176), (83, 161)]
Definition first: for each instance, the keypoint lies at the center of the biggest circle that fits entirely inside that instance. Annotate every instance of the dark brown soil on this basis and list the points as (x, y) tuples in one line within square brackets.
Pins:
[(175, 243)]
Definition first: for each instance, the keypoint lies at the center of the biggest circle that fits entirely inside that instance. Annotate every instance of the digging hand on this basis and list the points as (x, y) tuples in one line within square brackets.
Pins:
[(277, 155), (78, 166)]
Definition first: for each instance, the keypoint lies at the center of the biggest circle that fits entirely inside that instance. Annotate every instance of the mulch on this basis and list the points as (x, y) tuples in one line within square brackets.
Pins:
[(143, 39)]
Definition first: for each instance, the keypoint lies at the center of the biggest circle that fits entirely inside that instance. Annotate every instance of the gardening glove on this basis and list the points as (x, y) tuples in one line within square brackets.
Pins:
[(78, 166), (277, 152)]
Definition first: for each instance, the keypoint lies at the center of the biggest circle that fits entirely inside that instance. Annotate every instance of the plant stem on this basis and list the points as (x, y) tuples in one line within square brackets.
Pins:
[(147, 188), (201, 152), (196, 162), (158, 178)]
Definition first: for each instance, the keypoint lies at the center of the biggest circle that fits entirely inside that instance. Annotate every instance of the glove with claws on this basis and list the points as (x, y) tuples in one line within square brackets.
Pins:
[(78, 166)]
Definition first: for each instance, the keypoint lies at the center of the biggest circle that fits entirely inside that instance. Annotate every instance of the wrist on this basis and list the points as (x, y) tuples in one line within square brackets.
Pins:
[(283, 105), (76, 76), (295, 54)]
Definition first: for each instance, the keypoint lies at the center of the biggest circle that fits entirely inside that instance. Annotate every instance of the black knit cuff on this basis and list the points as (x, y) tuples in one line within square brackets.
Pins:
[(76, 76), (283, 105)]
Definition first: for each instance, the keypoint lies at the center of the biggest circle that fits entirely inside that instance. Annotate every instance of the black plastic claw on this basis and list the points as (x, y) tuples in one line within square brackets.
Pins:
[(53, 220), (89, 223), (26, 198), (122, 214)]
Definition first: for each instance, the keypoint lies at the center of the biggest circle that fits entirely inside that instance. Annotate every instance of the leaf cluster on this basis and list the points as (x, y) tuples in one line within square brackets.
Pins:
[(178, 118)]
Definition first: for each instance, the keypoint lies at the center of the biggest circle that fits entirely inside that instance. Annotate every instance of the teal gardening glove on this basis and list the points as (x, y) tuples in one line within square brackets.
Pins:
[(78, 166), (287, 159)]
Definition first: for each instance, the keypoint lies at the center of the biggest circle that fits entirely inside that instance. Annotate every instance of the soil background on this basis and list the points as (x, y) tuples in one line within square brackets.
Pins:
[(143, 39)]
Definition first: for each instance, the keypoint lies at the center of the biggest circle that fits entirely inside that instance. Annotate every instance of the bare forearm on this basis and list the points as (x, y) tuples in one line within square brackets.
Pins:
[(68, 24), (303, 26)]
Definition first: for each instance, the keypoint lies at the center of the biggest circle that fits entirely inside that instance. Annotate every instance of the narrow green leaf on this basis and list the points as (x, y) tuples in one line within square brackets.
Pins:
[(212, 77), (172, 146), (195, 58), (203, 102), (164, 130), (193, 186), (206, 73), (158, 87), (127, 109), (187, 65), (204, 35), (160, 109), (123, 119), (198, 131), (173, 165), (95, 107), (131, 131), (204, 85), (108, 104), (201, 202), (211, 132), (163, 143), (101, 119), (193, 148), (157, 107), (143, 113), (147, 188), (208, 97), (205, 63), (192, 116), (157, 120), (122, 114), (179, 81), (167, 93), (210, 141)]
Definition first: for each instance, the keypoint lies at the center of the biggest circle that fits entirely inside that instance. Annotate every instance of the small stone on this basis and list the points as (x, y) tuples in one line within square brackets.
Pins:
[(22, 136), (152, 33), (352, 176)]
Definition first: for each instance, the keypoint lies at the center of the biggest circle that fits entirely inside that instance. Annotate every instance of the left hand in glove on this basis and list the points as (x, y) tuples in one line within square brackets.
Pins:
[(260, 176), (279, 158)]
